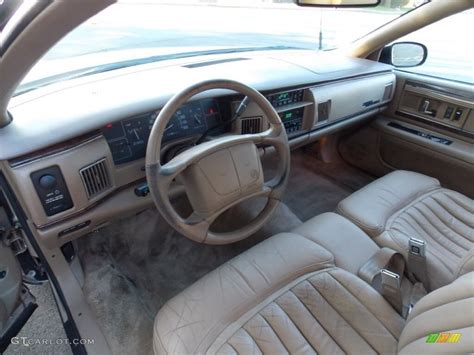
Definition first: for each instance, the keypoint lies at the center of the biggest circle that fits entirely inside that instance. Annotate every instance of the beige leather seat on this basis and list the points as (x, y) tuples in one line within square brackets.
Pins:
[(286, 296), (406, 204)]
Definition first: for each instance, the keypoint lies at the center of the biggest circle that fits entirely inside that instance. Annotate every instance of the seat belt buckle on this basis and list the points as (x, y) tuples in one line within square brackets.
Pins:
[(390, 279), (417, 247)]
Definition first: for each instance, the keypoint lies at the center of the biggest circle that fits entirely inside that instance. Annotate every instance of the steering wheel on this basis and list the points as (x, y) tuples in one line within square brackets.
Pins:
[(219, 173)]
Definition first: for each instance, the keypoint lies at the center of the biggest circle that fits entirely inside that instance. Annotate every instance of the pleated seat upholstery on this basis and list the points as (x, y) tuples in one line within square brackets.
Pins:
[(405, 204), (331, 312), (285, 296)]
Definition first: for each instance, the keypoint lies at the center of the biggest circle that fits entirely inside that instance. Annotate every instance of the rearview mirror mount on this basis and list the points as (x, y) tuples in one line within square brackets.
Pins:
[(338, 3)]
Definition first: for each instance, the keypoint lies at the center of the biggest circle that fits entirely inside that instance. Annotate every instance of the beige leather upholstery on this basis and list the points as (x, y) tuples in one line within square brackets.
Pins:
[(285, 296), (404, 204), (348, 243), (192, 321), (449, 309), (329, 312), (371, 206)]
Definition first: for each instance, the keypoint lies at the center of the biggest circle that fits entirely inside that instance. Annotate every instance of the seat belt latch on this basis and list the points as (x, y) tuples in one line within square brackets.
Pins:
[(417, 262), (390, 279), (417, 247)]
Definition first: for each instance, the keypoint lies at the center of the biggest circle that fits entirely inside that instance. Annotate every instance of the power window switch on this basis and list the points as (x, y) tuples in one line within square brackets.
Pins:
[(448, 112)]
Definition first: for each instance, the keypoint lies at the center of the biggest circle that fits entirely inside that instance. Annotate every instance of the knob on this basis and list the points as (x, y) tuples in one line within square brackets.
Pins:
[(47, 182)]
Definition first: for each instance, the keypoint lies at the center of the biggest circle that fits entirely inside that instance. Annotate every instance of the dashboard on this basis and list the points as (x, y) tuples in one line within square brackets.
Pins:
[(86, 166)]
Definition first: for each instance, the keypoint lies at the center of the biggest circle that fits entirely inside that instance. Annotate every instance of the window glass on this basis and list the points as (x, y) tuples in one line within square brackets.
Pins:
[(132, 32), (450, 48)]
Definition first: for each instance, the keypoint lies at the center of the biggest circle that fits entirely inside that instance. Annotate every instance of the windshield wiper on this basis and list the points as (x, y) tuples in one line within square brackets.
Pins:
[(133, 62)]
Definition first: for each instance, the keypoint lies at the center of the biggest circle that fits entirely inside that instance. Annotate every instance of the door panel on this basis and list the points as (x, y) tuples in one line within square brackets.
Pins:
[(10, 284), (428, 128), (16, 302), (439, 103)]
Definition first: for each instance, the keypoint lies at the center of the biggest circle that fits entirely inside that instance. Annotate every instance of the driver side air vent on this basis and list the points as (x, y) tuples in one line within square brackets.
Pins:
[(95, 178), (251, 125)]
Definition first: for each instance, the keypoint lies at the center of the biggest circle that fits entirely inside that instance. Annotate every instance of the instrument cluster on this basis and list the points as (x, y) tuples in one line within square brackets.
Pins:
[(128, 139)]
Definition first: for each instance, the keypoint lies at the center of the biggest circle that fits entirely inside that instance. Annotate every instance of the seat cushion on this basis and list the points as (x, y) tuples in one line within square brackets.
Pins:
[(329, 312), (283, 295), (371, 207)]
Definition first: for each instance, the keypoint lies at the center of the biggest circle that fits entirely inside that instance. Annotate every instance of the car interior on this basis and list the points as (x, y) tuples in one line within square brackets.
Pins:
[(264, 201)]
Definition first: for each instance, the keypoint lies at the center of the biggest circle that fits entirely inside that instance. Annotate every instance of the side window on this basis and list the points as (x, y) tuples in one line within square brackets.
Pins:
[(450, 47)]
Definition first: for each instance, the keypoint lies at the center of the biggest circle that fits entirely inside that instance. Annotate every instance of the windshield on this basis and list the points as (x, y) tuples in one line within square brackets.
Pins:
[(135, 32)]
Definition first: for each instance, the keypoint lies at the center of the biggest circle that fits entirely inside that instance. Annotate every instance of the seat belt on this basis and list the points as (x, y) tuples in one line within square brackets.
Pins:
[(384, 271), (417, 261)]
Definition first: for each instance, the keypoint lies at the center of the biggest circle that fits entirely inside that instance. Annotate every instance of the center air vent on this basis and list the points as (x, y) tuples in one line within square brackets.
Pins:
[(251, 125), (95, 178)]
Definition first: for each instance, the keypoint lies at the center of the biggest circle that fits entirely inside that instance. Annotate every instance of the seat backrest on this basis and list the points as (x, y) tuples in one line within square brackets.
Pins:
[(442, 321)]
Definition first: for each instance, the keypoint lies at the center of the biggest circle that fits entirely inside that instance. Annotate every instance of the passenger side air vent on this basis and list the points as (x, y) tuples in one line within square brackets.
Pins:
[(324, 110), (95, 178), (251, 125), (387, 94)]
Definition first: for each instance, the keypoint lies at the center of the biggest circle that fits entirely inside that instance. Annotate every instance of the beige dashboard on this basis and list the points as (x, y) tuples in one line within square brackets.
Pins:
[(76, 186)]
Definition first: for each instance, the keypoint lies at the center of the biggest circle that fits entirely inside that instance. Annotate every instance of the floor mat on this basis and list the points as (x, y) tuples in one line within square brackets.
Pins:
[(133, 266)]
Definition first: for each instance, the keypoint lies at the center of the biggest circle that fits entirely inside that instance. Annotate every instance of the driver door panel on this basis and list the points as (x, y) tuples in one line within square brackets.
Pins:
[(16, 302)]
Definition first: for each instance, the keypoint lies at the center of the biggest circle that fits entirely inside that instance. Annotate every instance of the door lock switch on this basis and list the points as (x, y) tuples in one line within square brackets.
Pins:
[(458, 114)]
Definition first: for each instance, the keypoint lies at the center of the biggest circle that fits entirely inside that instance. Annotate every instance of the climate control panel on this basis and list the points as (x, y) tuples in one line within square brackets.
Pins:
[(292, 119)]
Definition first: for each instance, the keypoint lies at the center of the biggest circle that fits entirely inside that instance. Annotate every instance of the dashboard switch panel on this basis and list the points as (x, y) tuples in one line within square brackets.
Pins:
[(52, 190)]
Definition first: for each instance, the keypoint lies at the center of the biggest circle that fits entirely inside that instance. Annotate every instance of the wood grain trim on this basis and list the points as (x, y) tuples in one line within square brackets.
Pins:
[(54, 149), (433, 123)]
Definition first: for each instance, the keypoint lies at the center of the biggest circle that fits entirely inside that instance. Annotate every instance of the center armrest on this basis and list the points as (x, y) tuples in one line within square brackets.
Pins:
[(350, 246)]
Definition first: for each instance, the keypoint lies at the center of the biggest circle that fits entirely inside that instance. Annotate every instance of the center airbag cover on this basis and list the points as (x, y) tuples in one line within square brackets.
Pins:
[(223, 177)]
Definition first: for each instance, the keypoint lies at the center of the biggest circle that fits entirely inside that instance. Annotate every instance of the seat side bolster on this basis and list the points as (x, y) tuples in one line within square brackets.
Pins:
[(467, 264), (371, 206), (191, 321), (448, 309), (461, 288)]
